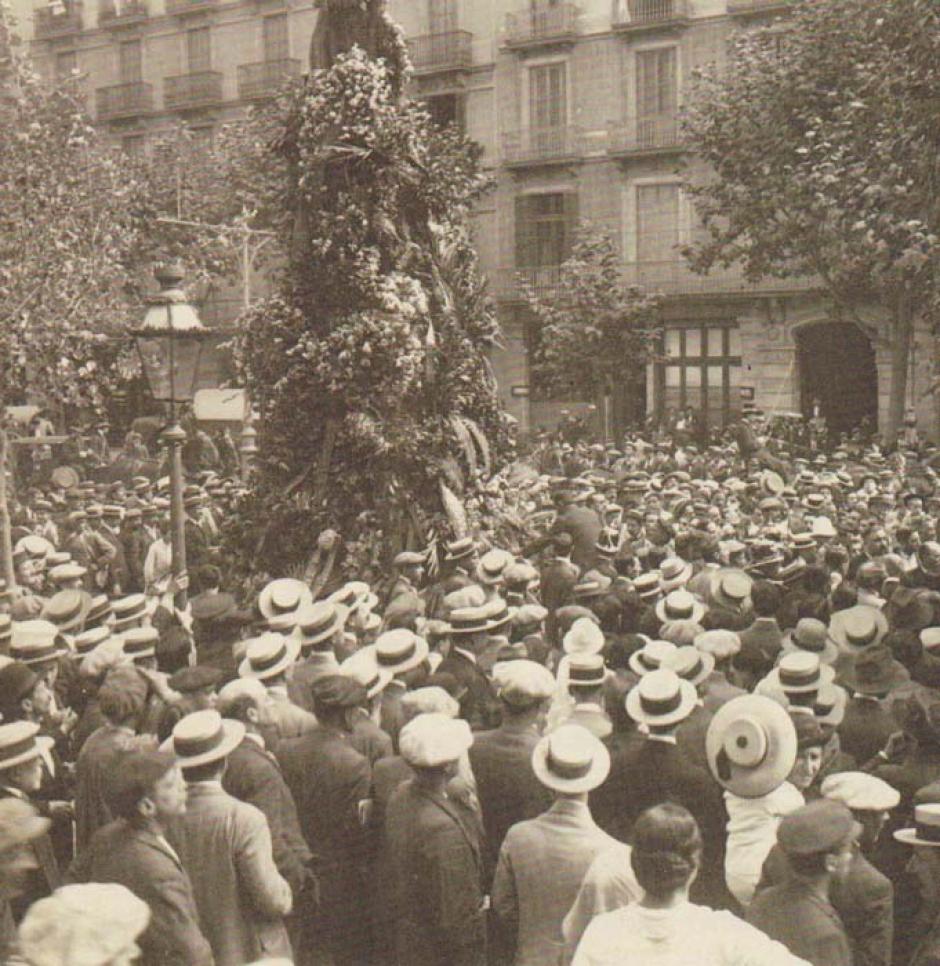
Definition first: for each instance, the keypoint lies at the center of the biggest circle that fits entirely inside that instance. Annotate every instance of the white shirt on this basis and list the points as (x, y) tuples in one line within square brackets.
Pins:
[(752, 833), (686, 935)]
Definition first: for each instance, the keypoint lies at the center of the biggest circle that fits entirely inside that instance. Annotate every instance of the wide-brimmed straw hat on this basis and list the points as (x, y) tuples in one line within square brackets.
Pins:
[(20, 742), (680, 605), (650, 656), (751, 745), (269, 656), (858, 627), (730, 587), (674, 572), (203, 737), (798, 673), (661, 698), (570, 760), (926, 829), (813, 636), (283, 595)]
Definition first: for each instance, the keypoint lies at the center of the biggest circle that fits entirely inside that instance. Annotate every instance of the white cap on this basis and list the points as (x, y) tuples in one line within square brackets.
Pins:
[(861, 791), (430, 700), (522, 683), (434, 739)]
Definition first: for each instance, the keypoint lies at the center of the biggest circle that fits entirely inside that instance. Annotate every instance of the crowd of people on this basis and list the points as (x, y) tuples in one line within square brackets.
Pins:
[(692, 717)]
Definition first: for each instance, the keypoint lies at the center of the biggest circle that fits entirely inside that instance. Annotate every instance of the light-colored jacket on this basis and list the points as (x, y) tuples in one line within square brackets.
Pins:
[(225, 846), (541, 865), (752, 833)]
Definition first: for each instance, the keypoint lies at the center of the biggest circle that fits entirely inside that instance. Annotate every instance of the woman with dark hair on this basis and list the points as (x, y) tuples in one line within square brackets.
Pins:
[(664, 928)]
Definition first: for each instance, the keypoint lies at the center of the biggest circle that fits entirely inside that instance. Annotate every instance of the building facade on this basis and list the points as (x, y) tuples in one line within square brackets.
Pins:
[(576, 107)]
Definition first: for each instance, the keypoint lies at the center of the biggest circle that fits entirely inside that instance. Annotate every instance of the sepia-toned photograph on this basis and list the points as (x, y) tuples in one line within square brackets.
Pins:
[(469, 483)]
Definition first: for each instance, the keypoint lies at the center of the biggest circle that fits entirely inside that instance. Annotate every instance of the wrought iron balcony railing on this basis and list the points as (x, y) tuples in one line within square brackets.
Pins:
[(651, 14), (541, 145), (202, 89), (124, 100), (645, 135), (57, 21), (120, 13), (446, 51), (264, 79), (542, 23)]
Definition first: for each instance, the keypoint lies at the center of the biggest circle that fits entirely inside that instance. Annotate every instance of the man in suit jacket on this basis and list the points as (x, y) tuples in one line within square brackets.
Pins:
[(217, 621), (543, 860), (507, 787), (147, 794), (470, 628), (121, 700), (581, 523), (556, 583), (268, 660), (225, 846), (651, 769), (330, 781), (21, 750), (866, 727), (254, 776), (435, 889)]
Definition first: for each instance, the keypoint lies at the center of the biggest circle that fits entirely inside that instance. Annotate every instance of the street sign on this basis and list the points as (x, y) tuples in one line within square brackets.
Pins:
[(220, 405)]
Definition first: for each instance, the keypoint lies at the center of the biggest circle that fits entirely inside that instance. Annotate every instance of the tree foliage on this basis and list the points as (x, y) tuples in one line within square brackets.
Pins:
[(374, 350), (594, 333), (821, 149)]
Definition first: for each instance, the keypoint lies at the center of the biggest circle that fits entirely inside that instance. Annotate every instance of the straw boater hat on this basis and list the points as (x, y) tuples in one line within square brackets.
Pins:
[(813, 636), (661, 699), (364, 669), (36, 642), (460, 549), (203, 737), (129, 609), (317, 622), (798, 673), (140, 643), (690, 663), (100, 611), (283, 595), (829, 705), (87, 641), (680, 605), (751, 745), (926, 830), (20, 742), (730, 587), (283, 623), (492, 566), (570, 760), (67, 609), (858, 627), (650, 657), (674, 572), (647, 585), (268, 656), (586, 670), (67, 571), (398, 650)]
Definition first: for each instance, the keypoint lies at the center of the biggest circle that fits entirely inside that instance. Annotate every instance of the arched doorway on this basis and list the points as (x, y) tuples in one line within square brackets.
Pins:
[(837, 368)]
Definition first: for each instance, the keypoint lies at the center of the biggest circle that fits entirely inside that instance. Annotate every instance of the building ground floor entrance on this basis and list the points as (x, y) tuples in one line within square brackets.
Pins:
[(838, 374)]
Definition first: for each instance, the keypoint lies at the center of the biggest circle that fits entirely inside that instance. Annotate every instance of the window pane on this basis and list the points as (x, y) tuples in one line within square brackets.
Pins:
[(274, 34), (716, 376), (693, 376), (656, 82), (547, 99), (657, 222), (734, 377), (198, 57), (734, 341), (693, 343), (672, 377), (129, 67), (714, 342), (672, 343)]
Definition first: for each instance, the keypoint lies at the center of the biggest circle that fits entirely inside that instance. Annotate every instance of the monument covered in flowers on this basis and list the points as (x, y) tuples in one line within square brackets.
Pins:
[(378, 412)]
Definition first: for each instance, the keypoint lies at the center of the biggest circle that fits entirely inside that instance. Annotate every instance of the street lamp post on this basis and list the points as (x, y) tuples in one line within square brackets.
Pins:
[(248, 446), (170, 343)]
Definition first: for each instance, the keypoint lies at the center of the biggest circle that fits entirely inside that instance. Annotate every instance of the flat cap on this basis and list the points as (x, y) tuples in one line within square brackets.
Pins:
[(860, 791), (189, 679), (338, 691), (820, 826), (431, 740), (523, 683)]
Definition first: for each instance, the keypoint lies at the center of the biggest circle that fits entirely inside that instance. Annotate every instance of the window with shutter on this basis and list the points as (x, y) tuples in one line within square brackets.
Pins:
[(442, 16), (656, 95), (65, 63), (274, 37), (129, 61), (657, 222), (198, 50), (545, 225), (547, 97)]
